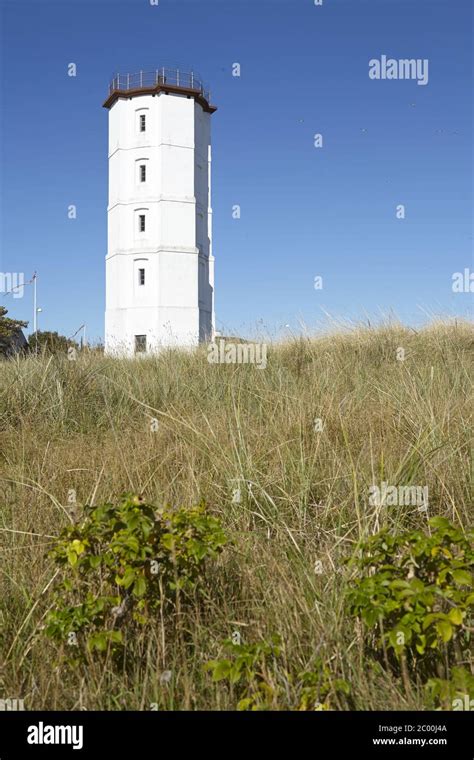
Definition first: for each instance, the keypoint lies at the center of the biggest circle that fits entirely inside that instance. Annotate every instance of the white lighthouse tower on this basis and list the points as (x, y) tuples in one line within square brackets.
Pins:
[(159, 263)]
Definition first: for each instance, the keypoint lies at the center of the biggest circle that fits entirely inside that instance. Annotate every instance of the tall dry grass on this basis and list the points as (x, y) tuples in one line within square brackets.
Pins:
[(85, 426)]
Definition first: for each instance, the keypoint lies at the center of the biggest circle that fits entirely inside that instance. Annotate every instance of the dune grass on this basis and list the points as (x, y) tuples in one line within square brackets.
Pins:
[(179, 429)]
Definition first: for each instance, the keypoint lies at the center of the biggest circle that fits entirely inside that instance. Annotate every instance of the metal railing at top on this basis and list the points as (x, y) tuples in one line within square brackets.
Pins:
[(162, 76)]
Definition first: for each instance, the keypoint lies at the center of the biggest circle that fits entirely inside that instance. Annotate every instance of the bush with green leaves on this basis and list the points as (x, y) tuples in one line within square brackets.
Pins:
[(451, 693), (413, 593), (250, 671), (320, 689), (256, 676), (123, 563)]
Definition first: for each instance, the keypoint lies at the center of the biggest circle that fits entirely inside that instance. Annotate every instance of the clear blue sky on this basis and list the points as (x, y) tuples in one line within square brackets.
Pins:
[(305, 211)]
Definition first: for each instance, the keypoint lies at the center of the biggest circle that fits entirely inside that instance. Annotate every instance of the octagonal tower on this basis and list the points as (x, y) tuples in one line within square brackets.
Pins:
[(159, 263)]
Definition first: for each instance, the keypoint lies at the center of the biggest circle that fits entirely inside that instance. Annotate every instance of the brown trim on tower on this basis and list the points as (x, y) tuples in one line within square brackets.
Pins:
[(166, 88)]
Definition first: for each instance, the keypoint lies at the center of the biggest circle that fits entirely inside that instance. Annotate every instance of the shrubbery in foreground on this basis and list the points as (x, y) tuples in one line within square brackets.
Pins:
[(124, 562), (127, 563)]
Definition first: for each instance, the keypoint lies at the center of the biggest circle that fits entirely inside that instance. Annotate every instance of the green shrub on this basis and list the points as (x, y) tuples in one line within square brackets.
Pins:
[(413, 594), (455, 694), (319, 688), (250, 670), (123, 563), (256, 676)]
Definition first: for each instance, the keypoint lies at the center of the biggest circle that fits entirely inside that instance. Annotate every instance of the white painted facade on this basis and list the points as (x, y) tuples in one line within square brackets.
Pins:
[(159, 263)]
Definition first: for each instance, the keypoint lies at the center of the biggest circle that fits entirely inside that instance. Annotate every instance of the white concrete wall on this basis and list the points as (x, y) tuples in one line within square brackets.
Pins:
[(175, 306)]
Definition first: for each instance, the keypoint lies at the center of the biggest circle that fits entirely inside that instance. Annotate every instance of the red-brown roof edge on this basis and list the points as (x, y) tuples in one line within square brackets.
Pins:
[(166, 88)]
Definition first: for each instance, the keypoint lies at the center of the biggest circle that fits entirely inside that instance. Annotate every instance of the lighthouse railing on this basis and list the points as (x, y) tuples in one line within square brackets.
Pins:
[(162, 76)]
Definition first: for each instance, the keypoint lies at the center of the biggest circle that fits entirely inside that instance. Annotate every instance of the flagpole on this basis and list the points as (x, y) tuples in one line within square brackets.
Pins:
[(34, 304)]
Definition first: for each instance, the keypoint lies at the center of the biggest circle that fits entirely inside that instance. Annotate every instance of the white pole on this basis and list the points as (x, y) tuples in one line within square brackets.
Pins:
[(34, 303)]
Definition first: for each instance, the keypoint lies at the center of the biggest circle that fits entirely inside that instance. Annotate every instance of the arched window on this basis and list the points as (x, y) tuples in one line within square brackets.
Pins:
[(140, 267), (141, 123), (141, 222), (141, 170)]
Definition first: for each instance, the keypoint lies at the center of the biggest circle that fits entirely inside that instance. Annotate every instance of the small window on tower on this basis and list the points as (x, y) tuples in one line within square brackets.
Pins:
[(140, 344), (142, 172), (141, 276), (142, 122), (141, 222)]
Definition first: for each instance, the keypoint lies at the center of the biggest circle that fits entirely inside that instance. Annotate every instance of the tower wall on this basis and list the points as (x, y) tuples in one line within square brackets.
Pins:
[(159, 264)]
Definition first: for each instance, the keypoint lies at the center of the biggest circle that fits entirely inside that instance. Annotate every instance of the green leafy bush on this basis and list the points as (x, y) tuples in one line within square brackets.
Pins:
[(124, 562), (255, 674), (413, 593), (319, 688), (250, 669), (453, 693)]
